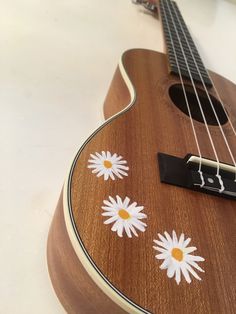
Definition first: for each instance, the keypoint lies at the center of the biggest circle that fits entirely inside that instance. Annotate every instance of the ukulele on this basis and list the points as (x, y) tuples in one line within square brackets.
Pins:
[(146, 219)]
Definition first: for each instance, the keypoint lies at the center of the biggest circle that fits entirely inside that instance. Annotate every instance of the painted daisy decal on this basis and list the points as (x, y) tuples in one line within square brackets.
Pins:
[(108, 165), (124, 216), (177, 257)]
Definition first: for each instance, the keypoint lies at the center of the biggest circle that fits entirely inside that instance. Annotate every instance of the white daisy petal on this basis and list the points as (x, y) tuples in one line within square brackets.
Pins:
[(132, 207), (115, 226), (176, 256), (162, 255), (119, 201), (110, 213), (110, 220), (112, 176), (119, 158), (174, 237), (181, 239), (108, 208), (119, 213), (194, 258), (120, 229), (114, 158), (195, 265), (122, 172), (186, 242), (140, 216), (94, 161), (112, 165), (109, 205), (98, 155), (117, 173), (165, 264), (98, 170), (168, 237), (161, 244), (133, 230), (92, 166), (112, 200), (171, 271), (100, 173), (163, 239), (159, 249), (139, 222), (185, 273), (177, 275), (126, 202), (190, 269), (137, 226), (121, 167), (106, 176), (127, 230), (94, 157), (136, 209), (121, 162), (190, 249)]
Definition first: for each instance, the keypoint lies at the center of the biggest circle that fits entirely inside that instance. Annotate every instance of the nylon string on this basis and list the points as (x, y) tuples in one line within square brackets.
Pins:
[(206, 91), (200, 106), (186, 100)]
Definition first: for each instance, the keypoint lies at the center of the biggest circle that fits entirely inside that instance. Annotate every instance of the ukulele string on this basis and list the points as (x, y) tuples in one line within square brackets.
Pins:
[(203, 83), (186, 101), (199, 103)]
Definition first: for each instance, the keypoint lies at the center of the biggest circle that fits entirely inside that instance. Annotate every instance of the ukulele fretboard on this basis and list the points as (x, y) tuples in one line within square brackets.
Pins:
[(182, 53)]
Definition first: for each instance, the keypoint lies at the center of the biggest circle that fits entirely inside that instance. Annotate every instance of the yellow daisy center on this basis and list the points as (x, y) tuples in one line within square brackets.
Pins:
[(124, 214), (107, 164), (177, 254)]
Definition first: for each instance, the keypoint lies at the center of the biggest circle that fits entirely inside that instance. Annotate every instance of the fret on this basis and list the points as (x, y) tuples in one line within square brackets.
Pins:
[(189, 58), (177, 44), (193, 70), (181, 60), (185, 47), (184, 73), (180, 44), (182, 64)]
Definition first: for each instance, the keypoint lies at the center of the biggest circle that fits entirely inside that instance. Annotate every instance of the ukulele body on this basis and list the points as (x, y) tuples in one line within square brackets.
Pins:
[(93, 270)]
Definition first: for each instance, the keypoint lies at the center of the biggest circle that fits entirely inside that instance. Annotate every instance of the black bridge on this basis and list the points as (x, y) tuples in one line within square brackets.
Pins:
[(185, 172)]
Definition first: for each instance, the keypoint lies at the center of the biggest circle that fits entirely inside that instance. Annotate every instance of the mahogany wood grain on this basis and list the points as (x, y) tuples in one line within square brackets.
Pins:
[(118, 96), (74, 288), (153, 124)]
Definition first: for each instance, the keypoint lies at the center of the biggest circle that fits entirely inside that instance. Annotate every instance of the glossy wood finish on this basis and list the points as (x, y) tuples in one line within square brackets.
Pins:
[(175, 28), (154, 125), (118, 96), (74, 288)]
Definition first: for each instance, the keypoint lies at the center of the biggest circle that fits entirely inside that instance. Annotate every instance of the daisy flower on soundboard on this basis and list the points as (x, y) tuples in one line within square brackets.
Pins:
[(107, 165), (177, 258), (125, 217)]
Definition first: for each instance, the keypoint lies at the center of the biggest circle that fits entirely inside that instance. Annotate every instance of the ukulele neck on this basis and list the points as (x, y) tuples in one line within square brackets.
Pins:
[(183, 56)]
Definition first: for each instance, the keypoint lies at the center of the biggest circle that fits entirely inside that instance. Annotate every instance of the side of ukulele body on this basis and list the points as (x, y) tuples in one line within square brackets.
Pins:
[(97, 270)]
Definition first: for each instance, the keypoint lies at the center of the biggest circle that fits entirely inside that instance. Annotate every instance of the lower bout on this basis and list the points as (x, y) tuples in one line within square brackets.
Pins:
[(74, 288)]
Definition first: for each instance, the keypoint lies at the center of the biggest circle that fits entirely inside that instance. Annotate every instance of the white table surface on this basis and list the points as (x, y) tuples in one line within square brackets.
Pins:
[(57, 59)]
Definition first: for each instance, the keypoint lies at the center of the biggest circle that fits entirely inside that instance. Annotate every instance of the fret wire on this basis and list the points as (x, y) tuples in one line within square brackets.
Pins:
[(189, 54), (191, 63), (189, 57), (202, 112), (187, 33), (212, 106), (179, 72)]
